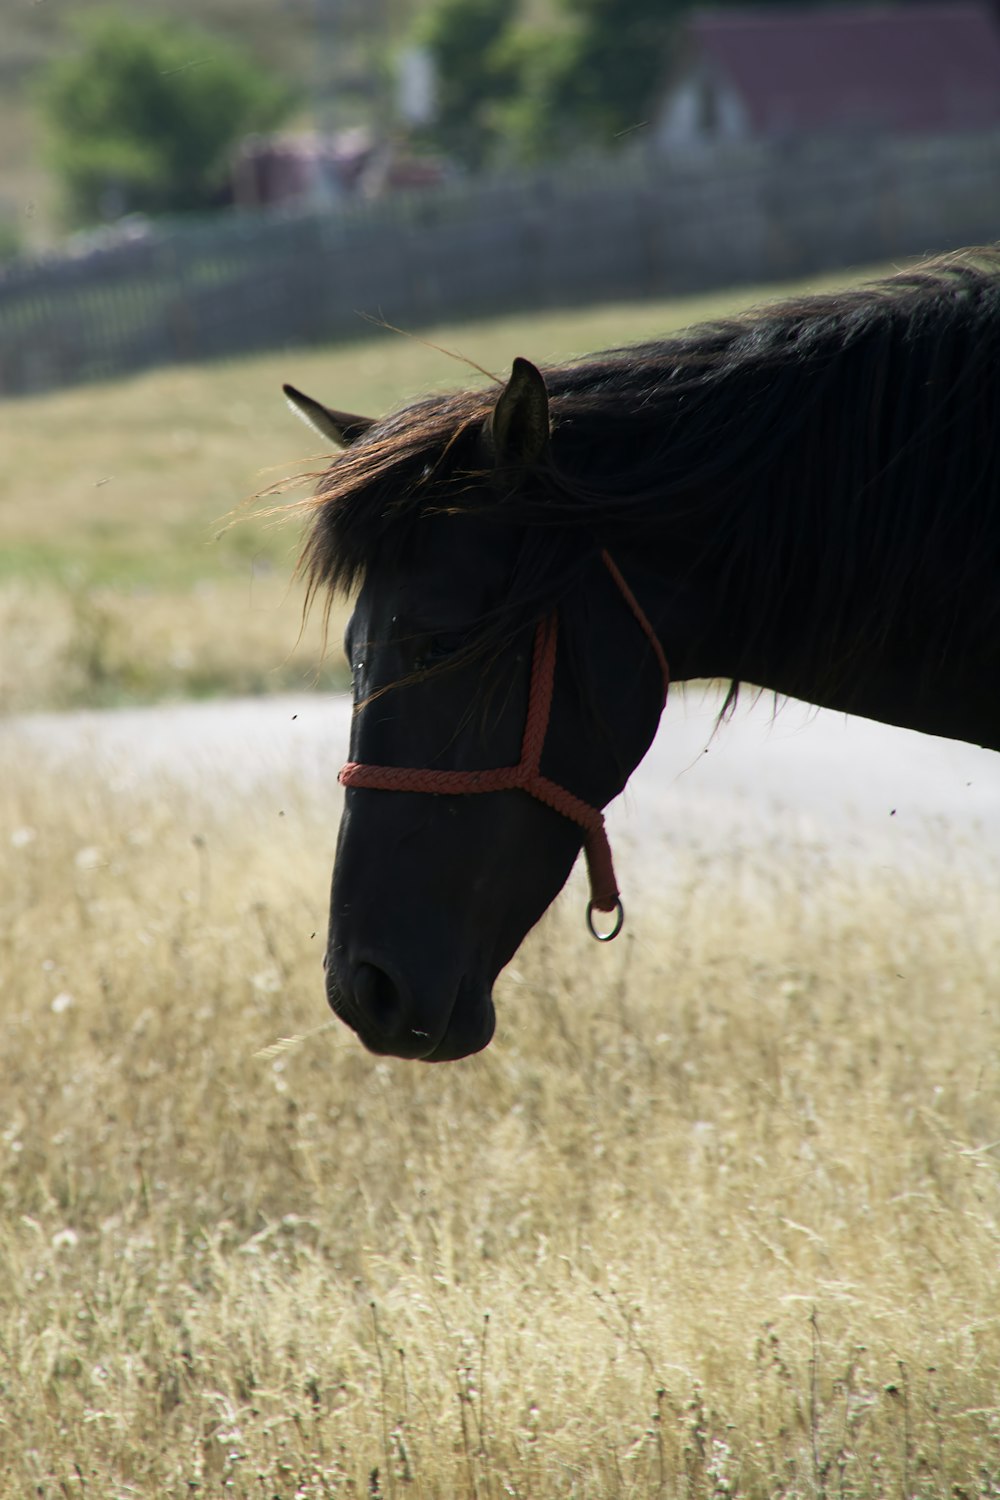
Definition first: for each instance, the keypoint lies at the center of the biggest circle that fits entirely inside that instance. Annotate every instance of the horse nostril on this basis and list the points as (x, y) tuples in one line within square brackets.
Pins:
[(378, 998)]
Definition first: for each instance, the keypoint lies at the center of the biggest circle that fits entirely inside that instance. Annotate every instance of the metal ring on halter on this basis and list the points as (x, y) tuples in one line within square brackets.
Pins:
[(606, 937)]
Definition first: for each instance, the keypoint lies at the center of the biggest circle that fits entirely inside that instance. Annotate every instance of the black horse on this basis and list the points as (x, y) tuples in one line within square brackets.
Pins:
[(806, 498)]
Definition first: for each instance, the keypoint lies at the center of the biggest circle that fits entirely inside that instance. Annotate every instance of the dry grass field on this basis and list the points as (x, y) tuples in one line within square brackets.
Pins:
[(717, 1215)]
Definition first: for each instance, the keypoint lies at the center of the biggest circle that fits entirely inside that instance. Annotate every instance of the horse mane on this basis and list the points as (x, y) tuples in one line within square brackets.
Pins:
[(861, 424)]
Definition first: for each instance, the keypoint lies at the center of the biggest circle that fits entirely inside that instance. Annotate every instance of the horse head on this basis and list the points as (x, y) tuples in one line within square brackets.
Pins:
[(495, 675)]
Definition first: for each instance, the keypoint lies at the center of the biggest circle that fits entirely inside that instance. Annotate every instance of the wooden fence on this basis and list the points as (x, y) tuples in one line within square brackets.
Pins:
[(631, 228)]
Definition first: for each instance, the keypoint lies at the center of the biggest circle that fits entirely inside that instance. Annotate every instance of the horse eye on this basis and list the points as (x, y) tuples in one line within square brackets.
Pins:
[(440, 647)]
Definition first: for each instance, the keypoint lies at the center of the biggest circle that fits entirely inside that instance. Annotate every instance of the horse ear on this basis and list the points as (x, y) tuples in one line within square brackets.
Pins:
[(518, 429), (341, 427)]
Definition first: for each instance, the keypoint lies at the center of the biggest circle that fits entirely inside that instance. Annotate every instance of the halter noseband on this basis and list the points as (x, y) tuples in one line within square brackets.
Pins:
[(526, 776)]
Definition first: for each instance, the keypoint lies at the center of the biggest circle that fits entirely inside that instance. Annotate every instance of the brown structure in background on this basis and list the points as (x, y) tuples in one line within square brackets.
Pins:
[(776, 73)]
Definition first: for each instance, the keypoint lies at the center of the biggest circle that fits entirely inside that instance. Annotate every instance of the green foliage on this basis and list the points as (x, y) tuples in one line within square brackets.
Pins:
[(476, 71), (505, 89), (143, 115), (605, 76), (11, 239)]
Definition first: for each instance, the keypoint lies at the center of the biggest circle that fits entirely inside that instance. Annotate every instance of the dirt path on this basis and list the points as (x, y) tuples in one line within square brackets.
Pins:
[(801, 778)]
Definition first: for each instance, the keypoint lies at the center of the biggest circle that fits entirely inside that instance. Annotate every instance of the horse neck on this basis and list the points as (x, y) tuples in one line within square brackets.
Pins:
[(739, 615), (700, 603)]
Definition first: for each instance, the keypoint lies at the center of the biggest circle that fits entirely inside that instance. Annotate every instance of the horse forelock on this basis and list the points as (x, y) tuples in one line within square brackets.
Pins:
[(374, 492)]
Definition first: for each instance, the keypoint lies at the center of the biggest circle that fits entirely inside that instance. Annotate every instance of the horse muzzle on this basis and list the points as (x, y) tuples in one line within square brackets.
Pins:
[(391, 1020)]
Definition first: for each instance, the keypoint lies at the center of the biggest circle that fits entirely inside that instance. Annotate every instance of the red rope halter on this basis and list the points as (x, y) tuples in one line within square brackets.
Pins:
[(526, 776)]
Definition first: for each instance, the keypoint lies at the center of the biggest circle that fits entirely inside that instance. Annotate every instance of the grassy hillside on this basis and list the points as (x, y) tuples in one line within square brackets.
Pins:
[(122, 576)]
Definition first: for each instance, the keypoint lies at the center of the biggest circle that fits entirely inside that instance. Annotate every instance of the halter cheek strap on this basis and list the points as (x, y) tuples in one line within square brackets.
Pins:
[(527, 776)]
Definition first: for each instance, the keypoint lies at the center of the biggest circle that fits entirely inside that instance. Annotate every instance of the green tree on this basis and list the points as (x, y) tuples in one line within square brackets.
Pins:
[(509, 89), (603, 75), (145, 113), (475, 71)]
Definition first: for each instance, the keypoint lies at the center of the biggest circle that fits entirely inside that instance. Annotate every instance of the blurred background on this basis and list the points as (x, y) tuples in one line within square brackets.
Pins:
[(187, 181)]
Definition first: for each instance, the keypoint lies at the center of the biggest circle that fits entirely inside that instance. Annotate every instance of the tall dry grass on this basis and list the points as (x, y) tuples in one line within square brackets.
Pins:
[(716, 1214)]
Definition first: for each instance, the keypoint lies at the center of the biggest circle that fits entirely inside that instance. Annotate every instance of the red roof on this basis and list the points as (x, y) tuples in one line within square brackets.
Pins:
[(903, 68)]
